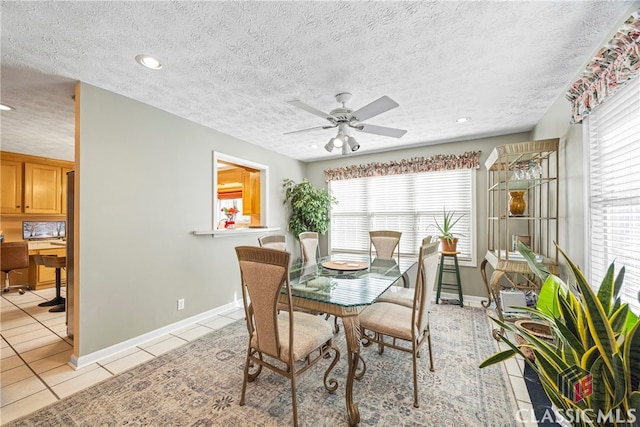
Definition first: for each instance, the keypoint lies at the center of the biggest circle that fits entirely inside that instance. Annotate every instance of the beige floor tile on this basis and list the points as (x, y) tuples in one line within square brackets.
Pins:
[(235, 314), (6, 352), (118, 356), (81, 382), (27, 405), (194, 332), (35, 343), (15, 322), (217, 322), (64, 373), (51, 362), (14, 375), (3, 343), (128, 362), (22, 330), (36, 333), (59, 320), (21, 389), (46, 351), (526, 415), (59, 330), (519, 388), (164, 346), (513, 368), (47, 315), (11, 362), (20, 300)]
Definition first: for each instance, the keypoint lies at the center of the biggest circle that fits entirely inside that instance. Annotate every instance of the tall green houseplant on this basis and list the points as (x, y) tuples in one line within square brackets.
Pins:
[(591, 370), (310, 207)]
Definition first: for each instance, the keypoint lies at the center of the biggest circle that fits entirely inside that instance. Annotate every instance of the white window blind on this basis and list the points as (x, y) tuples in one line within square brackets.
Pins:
[(614, 192), (407, 203)]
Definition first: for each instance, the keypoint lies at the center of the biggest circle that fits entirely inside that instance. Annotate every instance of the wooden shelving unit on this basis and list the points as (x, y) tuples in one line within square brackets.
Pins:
[(538, 223)]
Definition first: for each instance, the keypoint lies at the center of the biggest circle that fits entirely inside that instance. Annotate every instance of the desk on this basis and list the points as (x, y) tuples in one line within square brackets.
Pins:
[(345, 294)]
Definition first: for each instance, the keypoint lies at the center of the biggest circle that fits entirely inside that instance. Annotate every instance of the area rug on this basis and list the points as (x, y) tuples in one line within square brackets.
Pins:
[(199, 384)]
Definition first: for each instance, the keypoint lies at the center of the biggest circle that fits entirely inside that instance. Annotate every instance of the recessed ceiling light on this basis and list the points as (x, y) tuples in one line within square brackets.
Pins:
[(149, 62), (5, 107), (463, 119)]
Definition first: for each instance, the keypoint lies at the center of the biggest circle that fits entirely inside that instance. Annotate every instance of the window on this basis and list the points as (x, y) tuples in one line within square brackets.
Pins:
[(240, 184), (613, 193), (408, 203)]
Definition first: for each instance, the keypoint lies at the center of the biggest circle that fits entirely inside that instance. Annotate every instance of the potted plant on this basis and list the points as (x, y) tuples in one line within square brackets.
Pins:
[(310, 207), (591, 370), (447, 237)]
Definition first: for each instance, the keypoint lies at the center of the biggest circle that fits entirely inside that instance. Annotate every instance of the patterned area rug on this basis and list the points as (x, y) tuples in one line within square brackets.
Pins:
[(199, 384)]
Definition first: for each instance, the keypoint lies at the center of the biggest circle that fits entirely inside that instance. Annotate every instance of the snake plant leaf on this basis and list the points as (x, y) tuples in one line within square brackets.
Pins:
[(498, 357), (599, 398), (619, 380), (567, 314), (570, 339), (631, 356), (589, 358), (618, 319), (634, 404), (597, 320), (548, 296), (538, 268), (605, 291)]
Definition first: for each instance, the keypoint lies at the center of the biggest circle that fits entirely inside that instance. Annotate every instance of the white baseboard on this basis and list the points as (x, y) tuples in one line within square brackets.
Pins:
[(82, 361)]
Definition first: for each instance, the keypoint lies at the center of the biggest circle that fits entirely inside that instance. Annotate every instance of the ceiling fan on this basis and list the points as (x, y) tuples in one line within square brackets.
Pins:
[(344, 118)]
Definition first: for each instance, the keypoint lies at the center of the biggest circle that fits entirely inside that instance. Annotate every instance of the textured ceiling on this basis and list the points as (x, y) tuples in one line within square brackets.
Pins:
[(233, 66)]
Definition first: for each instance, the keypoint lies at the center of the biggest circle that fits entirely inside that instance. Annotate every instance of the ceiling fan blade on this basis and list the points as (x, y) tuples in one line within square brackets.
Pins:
[(378, 106), (311, 110), (309, 129), (380, 130)]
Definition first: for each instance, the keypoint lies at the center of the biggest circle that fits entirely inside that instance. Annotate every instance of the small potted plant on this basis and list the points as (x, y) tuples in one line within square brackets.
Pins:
[(449, 220)]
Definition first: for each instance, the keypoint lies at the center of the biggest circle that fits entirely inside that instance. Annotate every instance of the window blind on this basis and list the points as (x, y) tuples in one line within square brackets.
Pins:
[(614, 192), (409, 203)]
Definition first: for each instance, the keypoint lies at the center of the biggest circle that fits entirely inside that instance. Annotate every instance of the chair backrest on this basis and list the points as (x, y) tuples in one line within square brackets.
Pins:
[(425, 280), (309, 248), (14, 255), (427, 239), (262, 273), (274, 241), (385, 242)]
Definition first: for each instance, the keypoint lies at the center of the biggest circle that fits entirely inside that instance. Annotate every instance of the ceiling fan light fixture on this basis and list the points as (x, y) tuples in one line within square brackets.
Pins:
[(345, 149), (353, 144), (338, 141), (149, 61), (329, 146)]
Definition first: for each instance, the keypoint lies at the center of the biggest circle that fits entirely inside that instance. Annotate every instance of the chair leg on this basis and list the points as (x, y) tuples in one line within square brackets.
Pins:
[(245, 376), (430, 352), (416, 404), (294, 400)]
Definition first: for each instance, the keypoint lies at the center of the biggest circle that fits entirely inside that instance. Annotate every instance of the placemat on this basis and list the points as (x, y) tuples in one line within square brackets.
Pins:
[(345, 265)]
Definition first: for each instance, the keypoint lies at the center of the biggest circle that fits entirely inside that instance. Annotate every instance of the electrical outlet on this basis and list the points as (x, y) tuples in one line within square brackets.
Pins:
[(181, 304)]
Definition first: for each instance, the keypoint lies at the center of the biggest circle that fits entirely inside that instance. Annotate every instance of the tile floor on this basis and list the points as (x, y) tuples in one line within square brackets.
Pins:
[(35, 351)]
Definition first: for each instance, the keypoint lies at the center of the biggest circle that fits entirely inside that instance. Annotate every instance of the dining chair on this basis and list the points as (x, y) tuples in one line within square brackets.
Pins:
[(400, 294), (14, 256), (385, 243), (405, 324), (279, 336), (309, 248), (274, 241)]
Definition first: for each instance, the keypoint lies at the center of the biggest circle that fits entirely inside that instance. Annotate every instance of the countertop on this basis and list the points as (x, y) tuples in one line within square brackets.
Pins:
[(47, 244)]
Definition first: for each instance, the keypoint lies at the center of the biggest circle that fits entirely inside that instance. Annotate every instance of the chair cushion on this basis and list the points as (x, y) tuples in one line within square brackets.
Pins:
[(384, 246), (309, 333), (388, 319), (398, 295)]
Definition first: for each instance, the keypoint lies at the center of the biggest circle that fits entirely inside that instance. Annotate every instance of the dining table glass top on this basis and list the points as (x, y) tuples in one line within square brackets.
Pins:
[(346, 279)]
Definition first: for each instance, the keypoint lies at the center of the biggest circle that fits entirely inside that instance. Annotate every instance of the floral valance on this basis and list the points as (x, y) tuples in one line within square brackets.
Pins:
[(468, 160), (611, 68)]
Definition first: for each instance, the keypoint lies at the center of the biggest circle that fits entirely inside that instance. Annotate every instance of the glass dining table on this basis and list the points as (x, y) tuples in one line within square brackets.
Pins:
[(343, 285)]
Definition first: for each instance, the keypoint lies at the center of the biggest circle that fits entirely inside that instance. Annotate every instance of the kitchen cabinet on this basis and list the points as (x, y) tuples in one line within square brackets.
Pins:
[(42, 189), (11, 175), (41, 277), (251, 193), (522, 205), (33, 185)]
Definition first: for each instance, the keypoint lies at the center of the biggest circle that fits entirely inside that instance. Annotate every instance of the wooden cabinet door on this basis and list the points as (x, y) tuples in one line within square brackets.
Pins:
[(63, 206), (11, 176), (42, 189)]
